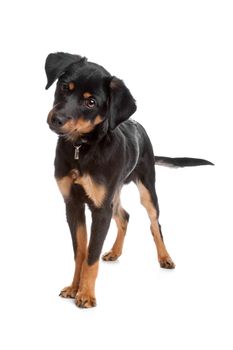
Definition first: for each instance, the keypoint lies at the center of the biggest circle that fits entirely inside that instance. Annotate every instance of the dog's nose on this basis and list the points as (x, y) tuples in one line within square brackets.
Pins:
[(58, 120)]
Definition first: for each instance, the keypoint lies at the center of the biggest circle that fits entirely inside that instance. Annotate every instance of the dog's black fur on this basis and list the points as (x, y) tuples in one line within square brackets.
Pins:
[(99, 150)]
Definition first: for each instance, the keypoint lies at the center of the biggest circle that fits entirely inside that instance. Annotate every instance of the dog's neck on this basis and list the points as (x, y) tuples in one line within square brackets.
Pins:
[(94, 137), (89, 141)]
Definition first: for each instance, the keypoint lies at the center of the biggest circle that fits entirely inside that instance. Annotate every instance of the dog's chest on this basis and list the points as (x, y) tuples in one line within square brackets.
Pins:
[(94, 191)]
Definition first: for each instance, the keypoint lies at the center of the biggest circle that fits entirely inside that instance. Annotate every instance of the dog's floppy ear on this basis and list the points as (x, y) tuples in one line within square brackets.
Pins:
[(57, 63), (121, 103)]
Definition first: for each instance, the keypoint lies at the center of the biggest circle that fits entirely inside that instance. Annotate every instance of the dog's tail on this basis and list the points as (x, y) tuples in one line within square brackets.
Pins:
[(180, 162)]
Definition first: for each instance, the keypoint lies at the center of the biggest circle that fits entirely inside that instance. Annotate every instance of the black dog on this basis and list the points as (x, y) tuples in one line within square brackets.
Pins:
[(98, 151)]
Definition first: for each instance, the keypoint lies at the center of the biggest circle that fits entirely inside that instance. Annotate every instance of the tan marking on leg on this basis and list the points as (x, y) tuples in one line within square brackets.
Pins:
[(122, 226), (163, 256), (117, 247), (86, 295), (94, 191), (64, 185), (81, 236), (122, 223)]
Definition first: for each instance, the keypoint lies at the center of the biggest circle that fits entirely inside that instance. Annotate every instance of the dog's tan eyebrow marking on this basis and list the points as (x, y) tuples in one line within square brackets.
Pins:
[(87, 94), (71, 86)]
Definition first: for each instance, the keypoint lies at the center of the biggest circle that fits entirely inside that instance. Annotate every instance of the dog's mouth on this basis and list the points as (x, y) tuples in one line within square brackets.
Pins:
[(68, 131), (74, 134), (69, 135)]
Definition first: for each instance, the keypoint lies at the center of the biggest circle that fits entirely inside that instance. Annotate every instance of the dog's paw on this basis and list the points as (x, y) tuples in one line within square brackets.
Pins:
[(84, 300), (110, 256), (68, 292), (166, 263)]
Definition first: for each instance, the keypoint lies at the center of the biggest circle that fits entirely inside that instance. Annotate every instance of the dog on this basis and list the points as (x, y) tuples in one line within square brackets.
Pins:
[(100, 149)]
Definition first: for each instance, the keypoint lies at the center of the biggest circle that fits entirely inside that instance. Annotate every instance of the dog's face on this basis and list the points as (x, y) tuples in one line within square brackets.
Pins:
[(86, 96)]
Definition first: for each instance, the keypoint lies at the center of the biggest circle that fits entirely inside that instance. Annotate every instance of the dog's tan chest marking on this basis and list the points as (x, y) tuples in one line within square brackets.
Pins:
[(94, 191)]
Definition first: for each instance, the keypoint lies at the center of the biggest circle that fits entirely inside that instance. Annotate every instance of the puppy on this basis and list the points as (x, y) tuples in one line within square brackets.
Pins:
[(100, 149)]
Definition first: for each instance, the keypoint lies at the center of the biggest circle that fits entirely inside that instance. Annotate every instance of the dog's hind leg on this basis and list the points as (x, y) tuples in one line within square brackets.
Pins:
[(149, 200), (121, 218)]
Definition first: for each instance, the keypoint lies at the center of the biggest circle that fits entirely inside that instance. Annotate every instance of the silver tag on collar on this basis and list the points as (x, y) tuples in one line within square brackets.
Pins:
[(76, 152)]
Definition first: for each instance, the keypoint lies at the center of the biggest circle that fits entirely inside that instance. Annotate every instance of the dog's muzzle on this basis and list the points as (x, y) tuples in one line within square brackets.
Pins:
[(57, 120)]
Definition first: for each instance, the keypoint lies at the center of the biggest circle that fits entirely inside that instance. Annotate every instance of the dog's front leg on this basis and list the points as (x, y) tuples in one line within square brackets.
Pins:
[(101, 218), (75, 213)]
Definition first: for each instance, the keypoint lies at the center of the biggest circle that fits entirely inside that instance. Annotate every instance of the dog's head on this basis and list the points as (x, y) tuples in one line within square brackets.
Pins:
[(86, 96)]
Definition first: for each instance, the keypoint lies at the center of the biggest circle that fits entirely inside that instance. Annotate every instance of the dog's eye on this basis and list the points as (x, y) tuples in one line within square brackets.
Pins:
[(64, 87), (67, 86), (90, 102)]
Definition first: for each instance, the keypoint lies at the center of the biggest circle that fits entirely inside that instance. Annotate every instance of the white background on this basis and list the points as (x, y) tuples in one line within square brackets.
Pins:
[(177, 59)]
